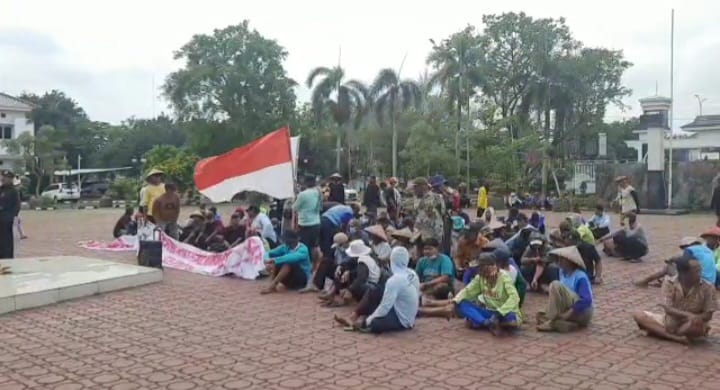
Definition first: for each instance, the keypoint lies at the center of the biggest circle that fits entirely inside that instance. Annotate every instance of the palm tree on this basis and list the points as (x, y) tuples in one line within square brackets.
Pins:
[(457, 62), (391, 97), (344, 101)]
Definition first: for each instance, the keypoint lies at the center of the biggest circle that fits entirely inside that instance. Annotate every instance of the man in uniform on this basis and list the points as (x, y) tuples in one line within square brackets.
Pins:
[(9, 207)]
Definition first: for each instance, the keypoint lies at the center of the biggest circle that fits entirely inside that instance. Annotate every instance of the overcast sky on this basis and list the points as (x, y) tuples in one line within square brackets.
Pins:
[(112, 56)]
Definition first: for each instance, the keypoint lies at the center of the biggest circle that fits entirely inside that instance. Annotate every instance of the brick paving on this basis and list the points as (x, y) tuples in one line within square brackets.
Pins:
[(195, 332)]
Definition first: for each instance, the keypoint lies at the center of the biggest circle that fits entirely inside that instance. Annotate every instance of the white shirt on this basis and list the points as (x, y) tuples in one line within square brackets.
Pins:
[(382, 250), (263, 225), (627, 202), (373, 268)]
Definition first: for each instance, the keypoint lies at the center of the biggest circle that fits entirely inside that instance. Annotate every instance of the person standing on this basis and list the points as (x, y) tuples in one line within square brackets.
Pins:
[(627, 197), (393, 200), (9, 208), (482, 201), (715, 199), (152, 191), (371, 198), (167, 211), (336, 189), (308, 206), (444, 195), (427, 210)]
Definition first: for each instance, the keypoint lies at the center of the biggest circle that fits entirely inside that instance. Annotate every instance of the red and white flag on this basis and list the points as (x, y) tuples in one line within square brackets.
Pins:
[(264, 165)]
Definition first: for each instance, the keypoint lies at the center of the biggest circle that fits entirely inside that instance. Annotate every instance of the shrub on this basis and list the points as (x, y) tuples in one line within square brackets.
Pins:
[(124, 189)]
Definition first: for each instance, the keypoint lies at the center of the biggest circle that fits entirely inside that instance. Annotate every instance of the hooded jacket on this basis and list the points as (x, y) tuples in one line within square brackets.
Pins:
[(402, 290)]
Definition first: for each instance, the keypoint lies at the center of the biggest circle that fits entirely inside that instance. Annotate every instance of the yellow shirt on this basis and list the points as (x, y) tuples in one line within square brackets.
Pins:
[(151, 193), (482, 202)]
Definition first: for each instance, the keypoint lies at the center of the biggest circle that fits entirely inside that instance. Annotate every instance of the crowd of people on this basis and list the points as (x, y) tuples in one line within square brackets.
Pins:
[(425, 256)]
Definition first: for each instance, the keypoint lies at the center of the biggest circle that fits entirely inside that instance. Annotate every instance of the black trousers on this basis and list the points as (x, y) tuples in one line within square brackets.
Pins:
[(7, 242), (326, 268)]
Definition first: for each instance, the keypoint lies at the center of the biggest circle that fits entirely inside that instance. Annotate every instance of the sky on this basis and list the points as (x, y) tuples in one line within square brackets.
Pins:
[(112, 56)]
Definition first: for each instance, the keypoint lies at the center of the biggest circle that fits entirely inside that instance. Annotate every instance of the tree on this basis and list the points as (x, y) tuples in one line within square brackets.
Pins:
[(40, 154), (391, 96), (345, 102), (178, 164), (457, 63), (234, 77), (424, 153), (133, 138), (76, 134)]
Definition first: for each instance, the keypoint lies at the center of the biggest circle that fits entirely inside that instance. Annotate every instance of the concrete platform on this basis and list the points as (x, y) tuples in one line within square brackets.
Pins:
[(41, 281), (664, 211)]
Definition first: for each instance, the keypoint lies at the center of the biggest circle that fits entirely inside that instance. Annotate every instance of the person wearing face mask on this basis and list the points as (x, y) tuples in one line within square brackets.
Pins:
[(490, 301)]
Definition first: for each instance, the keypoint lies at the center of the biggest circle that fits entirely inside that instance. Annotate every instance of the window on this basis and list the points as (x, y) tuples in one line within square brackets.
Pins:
[(7, 132), (52, 187), (2, 115)]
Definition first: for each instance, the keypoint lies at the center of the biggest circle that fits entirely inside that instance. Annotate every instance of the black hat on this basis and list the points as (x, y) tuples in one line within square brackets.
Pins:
[(7, 173)]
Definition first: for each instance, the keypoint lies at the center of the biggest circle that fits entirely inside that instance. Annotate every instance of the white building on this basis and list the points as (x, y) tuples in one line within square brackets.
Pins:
[(13, 122), (700, 139)]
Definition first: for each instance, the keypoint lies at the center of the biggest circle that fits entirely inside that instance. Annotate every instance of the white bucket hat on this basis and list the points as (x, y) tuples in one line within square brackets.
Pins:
[(358, 248)]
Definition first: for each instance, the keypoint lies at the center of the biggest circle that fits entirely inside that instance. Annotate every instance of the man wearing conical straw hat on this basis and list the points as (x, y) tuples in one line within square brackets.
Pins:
[(153, 190)]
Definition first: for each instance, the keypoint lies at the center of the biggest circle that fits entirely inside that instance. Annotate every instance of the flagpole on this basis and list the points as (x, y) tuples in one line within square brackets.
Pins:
[(672, 106)]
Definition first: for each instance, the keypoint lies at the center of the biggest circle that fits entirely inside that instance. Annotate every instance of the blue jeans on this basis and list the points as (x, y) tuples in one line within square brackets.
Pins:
[(480, 317), (386, 323)]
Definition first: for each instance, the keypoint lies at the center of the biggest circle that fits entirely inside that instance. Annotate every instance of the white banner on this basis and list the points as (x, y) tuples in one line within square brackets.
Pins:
[(244, 260)]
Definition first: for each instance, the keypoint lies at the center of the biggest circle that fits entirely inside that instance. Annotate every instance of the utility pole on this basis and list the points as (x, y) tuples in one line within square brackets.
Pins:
[(700, 102)]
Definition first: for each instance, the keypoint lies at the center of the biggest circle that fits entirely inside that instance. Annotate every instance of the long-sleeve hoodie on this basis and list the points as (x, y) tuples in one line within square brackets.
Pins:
[(402, 290)]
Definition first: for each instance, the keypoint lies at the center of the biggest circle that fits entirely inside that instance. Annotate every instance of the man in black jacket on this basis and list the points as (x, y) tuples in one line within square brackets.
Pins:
[(371, 198), (9, 208)]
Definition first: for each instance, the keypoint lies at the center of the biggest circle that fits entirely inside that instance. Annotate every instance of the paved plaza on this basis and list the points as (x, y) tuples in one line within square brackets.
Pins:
[(196, 332)]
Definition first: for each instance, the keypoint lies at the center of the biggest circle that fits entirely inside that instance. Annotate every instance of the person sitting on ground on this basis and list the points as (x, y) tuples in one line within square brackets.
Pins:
[(192, 227), (384, 221), (519, 242), (537, 220), (591, 257), (379, 243), (123, 226), (712, 241), (260, 223), (560, 237), (511, 219), (342, 263), (599, 224), (577, 211), (490, 301), (508, 264), (288, 264), (689, 305), (692, 247), (234, 232), (362, 273), (578, 225), (629, 243), (399, 305), (435, 270), (469, 246), (570, 300), (535, 264)]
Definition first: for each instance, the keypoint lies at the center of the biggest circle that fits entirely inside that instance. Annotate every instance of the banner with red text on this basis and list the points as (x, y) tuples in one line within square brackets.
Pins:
[(244, 260)]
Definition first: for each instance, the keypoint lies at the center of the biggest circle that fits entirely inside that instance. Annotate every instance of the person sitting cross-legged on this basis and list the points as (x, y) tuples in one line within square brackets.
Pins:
[(435, 271), (570, 302), (490, 301), (629, 243), (689, 305), (288, 264)]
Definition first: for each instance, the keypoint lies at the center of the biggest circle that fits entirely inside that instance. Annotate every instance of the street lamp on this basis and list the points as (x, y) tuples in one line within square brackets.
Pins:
[(700, 102)]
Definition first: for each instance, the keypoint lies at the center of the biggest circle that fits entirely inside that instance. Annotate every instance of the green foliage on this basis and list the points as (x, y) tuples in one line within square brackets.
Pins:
[(177, 163), (235, 76), (41, 154), (124, 188)]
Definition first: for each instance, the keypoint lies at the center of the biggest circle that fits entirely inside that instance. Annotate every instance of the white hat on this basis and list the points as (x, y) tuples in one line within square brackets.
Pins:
[(358, 248)]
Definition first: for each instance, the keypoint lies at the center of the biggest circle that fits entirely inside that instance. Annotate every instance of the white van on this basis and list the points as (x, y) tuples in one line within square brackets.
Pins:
[(62, 191)]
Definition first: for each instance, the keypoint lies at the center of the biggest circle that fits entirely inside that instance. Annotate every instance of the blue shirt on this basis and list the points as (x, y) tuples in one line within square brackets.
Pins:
[(428, 269), (706, 258), (339, 214), (578, 283), (308, 206), (284, 255), (600, 221)]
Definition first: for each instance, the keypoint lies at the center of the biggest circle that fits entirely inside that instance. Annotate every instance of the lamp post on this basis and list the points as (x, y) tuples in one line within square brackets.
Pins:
[(139, 163), (700, 102)]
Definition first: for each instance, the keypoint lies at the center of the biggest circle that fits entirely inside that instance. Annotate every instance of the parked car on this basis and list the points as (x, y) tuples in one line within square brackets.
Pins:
[(94, 189), (62, 192), (351, 195)]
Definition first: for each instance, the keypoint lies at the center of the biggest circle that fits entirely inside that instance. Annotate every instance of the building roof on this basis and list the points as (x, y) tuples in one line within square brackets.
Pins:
[(703, 122), (13, 103)]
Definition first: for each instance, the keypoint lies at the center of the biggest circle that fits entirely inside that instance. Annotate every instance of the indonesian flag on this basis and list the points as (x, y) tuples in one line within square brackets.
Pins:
[(264, 165)]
